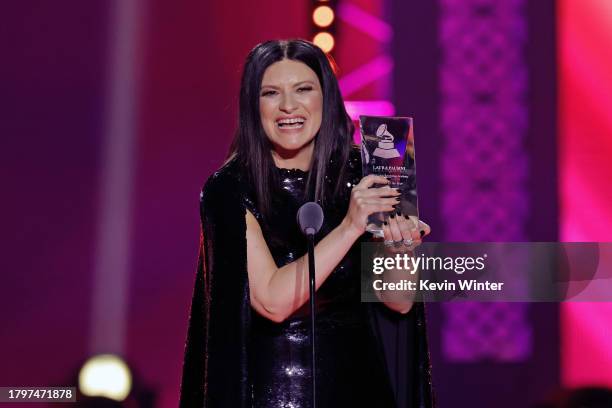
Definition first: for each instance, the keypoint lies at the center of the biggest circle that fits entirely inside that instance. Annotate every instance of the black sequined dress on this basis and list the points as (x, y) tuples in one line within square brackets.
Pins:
[(236, 358)]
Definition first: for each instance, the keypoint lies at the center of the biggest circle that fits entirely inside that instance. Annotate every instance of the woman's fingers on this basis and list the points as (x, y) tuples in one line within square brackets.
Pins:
[(391, 201), (367, 204), (392, 243), (371, 179), (403, 228), (396, 234), (406, 226), (374, 208), (425, 228), (409, 231), (384, 191), (366, 201)]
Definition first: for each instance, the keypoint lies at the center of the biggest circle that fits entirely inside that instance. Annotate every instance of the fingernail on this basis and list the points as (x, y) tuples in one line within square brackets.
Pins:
[(399, 212), (422, 232), (392, 215), (385, 223), (398, 191), (397, 199), (406, 217)]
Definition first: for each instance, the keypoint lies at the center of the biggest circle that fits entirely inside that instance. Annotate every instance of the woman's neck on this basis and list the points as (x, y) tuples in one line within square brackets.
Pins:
[(299, 159)]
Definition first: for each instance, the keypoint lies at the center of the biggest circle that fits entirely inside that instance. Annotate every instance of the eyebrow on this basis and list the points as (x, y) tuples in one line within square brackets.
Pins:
[(308, 81)]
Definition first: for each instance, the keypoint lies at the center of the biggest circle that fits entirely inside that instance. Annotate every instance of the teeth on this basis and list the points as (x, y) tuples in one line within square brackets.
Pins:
[(291, 125), (290, 121)]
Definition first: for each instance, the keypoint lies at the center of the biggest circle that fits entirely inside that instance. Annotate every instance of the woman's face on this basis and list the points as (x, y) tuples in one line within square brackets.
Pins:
[(290, 105)]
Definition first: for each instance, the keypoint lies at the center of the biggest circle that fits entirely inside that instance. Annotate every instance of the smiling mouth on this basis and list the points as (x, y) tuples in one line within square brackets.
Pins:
[(291, 123)]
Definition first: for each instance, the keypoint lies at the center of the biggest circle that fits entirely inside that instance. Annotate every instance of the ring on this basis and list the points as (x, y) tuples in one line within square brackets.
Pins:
[(398, 243), (389, 243), (408, 242)]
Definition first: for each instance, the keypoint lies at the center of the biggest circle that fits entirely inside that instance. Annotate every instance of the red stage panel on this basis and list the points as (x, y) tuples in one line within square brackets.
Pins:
[(585, 174)]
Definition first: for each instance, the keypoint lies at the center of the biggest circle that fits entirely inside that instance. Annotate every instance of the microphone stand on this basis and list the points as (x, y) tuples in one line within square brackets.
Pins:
[(310, 219), (311, 275)]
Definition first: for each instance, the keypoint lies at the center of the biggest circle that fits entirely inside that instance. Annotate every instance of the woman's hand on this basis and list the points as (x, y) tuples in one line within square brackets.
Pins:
[(365, 201), (402, 232)]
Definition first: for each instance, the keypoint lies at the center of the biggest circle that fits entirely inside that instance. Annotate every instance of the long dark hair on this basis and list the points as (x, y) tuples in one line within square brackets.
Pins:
[(332, 143)]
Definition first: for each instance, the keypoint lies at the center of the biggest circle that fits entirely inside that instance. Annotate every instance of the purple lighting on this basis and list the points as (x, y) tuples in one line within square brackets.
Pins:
[(373, 108), (484, 119), (365, 74), (366, 22)]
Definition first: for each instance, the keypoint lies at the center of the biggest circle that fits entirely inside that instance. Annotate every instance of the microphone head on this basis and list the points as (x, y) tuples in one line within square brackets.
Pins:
[(310, 218)]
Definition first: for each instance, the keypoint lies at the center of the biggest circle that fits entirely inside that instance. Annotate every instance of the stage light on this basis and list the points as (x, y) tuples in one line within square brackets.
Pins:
[(105, 375), (325, 41), (323, 16)]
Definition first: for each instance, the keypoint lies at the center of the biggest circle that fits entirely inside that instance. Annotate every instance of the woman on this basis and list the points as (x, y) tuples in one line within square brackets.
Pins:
[(247, 343)]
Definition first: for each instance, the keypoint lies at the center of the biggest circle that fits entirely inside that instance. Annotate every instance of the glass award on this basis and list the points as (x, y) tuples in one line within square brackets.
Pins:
[(387, 149)]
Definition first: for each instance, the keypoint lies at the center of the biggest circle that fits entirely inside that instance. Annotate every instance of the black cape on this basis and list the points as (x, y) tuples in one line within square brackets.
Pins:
[(215, 367)]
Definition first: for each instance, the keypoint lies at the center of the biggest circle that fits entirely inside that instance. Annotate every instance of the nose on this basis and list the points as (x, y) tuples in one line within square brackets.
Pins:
[(287, 103)]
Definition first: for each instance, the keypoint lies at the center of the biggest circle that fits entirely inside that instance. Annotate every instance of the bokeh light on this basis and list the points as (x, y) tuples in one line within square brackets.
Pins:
[(324, 40), (323, 16), (105, 375)]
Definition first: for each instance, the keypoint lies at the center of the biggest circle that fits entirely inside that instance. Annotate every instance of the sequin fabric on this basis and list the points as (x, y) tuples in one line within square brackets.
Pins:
[(349, 370), (237, 358)]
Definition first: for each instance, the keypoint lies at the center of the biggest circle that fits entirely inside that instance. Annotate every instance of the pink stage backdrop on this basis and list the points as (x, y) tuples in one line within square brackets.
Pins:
[(585, 174)]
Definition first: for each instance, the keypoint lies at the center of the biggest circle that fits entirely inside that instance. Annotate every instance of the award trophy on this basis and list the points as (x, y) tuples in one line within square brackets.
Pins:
[(387, 149)]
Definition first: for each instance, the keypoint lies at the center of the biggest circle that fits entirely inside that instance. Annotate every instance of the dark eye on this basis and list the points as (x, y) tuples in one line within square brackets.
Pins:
[(267, 93), (305, 88)]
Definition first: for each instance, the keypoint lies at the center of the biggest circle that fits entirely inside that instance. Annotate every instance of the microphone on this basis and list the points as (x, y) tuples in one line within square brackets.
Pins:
[(310, 218)]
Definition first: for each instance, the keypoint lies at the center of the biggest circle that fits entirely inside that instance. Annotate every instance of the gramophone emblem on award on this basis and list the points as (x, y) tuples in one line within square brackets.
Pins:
[(386, 148)]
